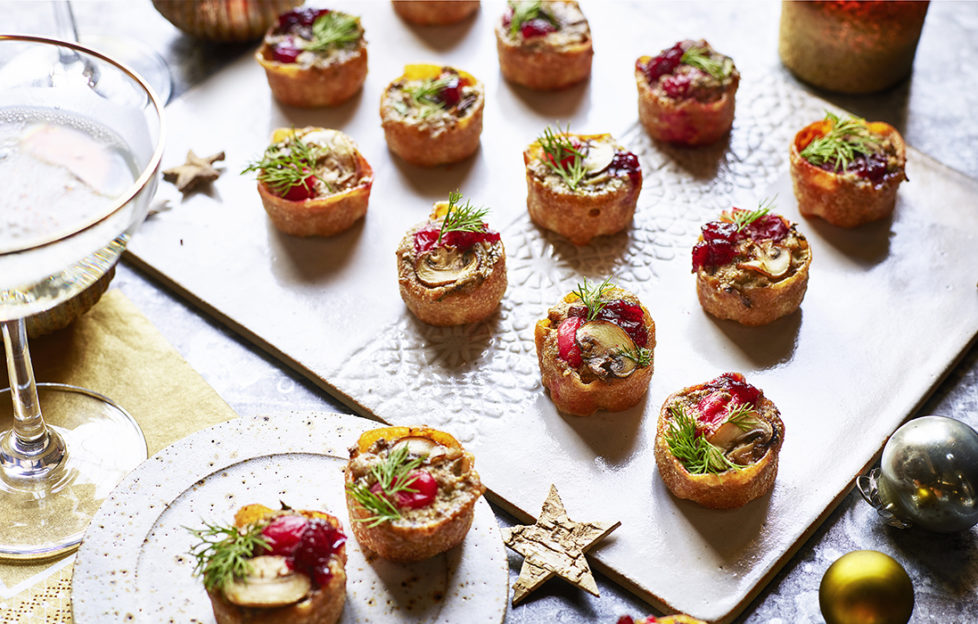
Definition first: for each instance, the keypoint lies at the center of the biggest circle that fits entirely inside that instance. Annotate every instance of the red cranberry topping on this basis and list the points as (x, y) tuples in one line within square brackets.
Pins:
[(718, 246), (296, 18), (302, 191), (626, 315), (508, 17), (567, 347), (451, 93), (286, 51), (665, 63), (567, 158), (425, 489), (318, 543), (737, 387), (283, 534), (712, 253), (729, 390), (536, 27), (768, 227), (720, 230), (677, 87), (872, 167), (425, 238), (626, 619), (627, 162)]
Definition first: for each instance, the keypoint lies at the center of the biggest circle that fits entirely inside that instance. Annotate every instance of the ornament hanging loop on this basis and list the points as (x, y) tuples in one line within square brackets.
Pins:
[(868, 486)]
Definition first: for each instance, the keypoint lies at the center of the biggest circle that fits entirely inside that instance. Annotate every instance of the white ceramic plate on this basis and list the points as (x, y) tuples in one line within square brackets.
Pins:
[(133, 565)]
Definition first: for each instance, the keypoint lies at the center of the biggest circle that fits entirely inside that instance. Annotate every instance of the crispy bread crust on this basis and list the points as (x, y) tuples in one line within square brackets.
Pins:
[(312, 87), (685, 121), (726, 490), (436, 12), (418, 541), (843, 201), (579, 217), (569, 392)]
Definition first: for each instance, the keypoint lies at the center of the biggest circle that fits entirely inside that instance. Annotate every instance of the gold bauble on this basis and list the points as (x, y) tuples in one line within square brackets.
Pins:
[(866, 587)]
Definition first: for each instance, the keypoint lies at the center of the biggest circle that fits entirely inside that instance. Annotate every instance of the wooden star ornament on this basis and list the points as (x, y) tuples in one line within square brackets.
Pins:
[(555, 545), (195, 172)]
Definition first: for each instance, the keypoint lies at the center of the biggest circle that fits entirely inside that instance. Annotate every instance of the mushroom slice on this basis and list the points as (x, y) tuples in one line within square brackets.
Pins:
[(270, 583), (603, 345), (440, 266), (421, 447), (772, 261), (744, 441), (599, 156)]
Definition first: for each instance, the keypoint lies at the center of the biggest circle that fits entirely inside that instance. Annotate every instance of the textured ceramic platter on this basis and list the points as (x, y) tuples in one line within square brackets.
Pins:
[(133, 565), (889, 306)]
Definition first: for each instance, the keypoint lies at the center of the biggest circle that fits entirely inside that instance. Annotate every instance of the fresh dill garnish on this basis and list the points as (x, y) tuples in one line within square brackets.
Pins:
[(590, 296), (743, 415), (743, 218), (223, 552), (526, 11), (842, 143), (425, 93), (640, 355), (286, 165), (563, 158), (393, 476), (701, 58), (333, 29), (461, 218), (694, 451)]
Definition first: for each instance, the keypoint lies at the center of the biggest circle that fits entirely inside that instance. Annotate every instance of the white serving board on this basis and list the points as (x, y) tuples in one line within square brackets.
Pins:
[(889, 306)]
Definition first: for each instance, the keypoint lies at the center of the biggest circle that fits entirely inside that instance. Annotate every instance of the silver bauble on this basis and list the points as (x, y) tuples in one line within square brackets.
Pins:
[(928, 476)]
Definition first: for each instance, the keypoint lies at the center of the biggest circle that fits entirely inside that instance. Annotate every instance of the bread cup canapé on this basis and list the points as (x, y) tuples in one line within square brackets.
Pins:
[(432, 115), (314, 57), (686, 94), (411, 492), (751, 266), (678, 618), (435, 12), (451, 269), (581, 185), (595, 349), (313, 181), (544, 45), (847, 171), (274, 566), (717, 443)]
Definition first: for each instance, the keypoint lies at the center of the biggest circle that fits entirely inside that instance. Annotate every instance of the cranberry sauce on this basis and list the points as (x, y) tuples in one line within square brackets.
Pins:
[(283, 534), (421, 489), (628, 316), (535, 27), (872, 167), (425, 238), (306, 543), (665, 63), (720, 238), (728, 390), (297, 24), (626, 162), (303, 190)]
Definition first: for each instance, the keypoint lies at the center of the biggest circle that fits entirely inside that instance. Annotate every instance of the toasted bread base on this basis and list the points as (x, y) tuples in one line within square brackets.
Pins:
[(686, 121), (726, 490), (839, 200), (310, 87), (540, 67), (435, 12), (424, 147), (569, 393)]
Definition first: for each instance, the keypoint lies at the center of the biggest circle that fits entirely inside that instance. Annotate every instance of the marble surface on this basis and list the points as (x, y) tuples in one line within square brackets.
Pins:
[(932, 110)]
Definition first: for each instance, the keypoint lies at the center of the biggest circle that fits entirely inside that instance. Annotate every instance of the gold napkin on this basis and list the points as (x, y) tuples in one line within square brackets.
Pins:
[(114, 350)]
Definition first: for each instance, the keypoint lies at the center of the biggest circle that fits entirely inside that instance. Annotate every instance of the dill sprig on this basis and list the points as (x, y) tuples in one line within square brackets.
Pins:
[(461, 218), (526, 11), (743, 416), (393, 476), (562, 157), (692, 450), (286, 165), (591, 296), (333, 29), (840, 145), (640, 355), (223, 552), (424, 94), (743, 218), (701, 58)]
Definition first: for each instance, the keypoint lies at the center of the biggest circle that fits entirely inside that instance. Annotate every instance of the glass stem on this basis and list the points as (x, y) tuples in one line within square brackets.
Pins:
[(29, 433)]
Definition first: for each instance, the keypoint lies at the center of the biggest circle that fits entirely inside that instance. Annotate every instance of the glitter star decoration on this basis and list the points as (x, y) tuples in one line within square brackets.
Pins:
[(195, 172), (555, 545)]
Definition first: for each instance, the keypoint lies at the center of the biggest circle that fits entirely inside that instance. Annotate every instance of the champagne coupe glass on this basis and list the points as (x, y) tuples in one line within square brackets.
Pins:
[(81, 137)]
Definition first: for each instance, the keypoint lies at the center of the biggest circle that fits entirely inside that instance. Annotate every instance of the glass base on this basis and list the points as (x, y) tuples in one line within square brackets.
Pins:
[(47, 517)]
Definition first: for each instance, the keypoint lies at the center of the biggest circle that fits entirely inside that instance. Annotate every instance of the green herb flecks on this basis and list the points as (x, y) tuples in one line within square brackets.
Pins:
[(461, 218), (743, 415), (334, 29), (743, 218), (692, 450), (526, 11), (842, 143), (640, 355), (425, 93), (702, 59), (223, 553), (591, 296), (286, 165), (393, 476), (562, 157)]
